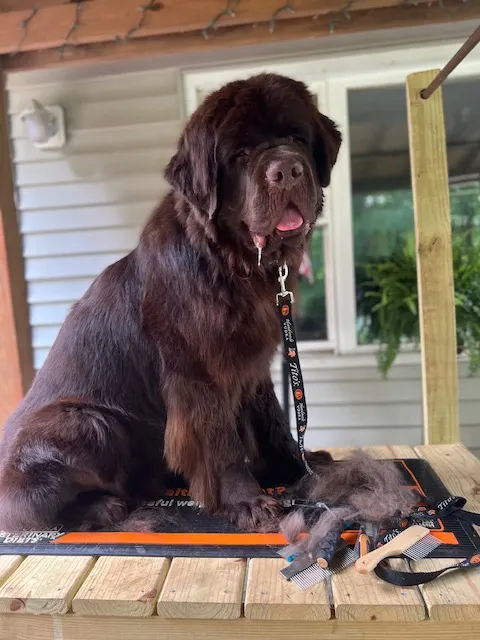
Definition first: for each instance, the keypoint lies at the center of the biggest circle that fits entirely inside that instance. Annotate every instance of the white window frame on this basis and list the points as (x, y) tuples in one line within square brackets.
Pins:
[(330, 78)]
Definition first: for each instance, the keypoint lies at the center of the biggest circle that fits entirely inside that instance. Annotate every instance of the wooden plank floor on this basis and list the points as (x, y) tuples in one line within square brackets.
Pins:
[(230, 599)]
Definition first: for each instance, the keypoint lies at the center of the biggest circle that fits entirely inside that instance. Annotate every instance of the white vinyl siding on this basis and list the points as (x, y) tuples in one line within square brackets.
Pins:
[(82, 207), (353, 406)]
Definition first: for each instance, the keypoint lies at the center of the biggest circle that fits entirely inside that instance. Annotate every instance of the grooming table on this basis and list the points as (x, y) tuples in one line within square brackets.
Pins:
[(145, 598)]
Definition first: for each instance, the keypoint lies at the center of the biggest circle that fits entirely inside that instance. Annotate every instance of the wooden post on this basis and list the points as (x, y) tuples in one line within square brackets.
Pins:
[(16, 366), (428, 159)]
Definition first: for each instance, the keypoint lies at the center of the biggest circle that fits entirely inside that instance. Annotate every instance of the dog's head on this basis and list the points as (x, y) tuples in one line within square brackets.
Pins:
[(254, 158)]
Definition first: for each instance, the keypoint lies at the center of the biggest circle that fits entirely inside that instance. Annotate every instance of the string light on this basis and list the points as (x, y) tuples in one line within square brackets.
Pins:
[(24, 27), (286, 7), (213, 24), (75, 26), (345, 12), (152, 5)]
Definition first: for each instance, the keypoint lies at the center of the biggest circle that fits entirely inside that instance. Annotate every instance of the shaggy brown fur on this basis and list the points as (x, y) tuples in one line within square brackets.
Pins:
[(357, 488), (164, 364)]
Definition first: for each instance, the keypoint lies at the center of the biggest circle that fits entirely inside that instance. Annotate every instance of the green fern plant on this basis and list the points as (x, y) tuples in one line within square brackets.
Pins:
[(388, 301)]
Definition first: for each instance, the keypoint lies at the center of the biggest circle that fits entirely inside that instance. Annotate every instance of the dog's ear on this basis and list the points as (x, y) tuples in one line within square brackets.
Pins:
[(193, 169), (325, 147)]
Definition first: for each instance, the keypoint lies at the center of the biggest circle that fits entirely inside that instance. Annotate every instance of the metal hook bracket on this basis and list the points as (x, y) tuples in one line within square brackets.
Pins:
[(282, 279)]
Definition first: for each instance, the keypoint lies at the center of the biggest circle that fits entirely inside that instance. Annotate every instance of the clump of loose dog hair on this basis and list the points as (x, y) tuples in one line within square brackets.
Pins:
[(293, 525), (373, 488), (358, 488)]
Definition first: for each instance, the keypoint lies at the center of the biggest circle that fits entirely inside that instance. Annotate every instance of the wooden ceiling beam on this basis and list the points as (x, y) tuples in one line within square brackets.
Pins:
[(246, 35), (107, 20)]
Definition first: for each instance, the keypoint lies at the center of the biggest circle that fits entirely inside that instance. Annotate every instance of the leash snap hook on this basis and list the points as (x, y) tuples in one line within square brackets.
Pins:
[(282, 279)]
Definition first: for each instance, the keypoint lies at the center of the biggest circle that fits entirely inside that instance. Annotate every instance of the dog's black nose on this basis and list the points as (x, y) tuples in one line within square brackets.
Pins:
[(284, 173)]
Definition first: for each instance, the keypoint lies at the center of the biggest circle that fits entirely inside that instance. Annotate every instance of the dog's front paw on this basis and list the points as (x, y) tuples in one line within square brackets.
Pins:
[(261, 513), (104, 514)]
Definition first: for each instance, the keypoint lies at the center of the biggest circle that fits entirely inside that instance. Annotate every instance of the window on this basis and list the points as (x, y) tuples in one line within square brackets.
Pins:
[(382, 204)]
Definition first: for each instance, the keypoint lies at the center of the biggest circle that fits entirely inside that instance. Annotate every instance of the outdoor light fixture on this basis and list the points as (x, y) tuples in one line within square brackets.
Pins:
[(45, 126)]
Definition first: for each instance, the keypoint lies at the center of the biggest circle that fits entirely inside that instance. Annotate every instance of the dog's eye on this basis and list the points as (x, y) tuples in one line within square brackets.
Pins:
[(241, 154), (297, 139)]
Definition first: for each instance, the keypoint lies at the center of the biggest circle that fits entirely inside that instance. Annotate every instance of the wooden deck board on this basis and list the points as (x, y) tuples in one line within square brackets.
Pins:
[(453, 597), (121, 586), (44, 584), (270, 597), (366, 598), (8, 564), (380, 452), (75, 627), (203, 588), (391, 451)]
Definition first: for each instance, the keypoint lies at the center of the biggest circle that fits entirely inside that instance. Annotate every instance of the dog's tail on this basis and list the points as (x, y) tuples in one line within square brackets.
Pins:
[(33, 488)]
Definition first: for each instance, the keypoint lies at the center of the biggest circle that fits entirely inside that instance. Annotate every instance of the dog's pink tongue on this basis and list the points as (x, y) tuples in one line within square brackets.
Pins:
[(291, 219)]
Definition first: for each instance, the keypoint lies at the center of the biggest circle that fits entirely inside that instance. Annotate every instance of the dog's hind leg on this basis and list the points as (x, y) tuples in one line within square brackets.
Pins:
[(62, 451)]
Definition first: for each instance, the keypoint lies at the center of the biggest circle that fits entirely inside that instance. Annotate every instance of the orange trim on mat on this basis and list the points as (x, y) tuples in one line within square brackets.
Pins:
[(417, 485), (180, 539), (202, 539)]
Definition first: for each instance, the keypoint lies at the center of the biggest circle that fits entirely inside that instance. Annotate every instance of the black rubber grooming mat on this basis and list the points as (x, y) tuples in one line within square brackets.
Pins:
[(189, 531)]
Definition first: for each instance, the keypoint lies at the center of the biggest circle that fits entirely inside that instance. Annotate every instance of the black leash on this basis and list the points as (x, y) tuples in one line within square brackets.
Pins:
[(426, 516), (285, 300), (451, 506), (407, 579)]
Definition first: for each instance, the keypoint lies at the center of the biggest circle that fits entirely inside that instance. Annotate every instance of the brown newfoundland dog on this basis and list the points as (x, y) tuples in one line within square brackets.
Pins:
[(164, 364)]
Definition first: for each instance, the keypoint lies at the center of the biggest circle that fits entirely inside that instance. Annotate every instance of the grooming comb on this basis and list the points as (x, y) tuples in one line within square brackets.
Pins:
[(420, 549), (415, 542), (298, 565), (315, 574)]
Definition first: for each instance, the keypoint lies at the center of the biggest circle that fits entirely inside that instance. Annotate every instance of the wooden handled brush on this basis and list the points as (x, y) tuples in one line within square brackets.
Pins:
[(362, 545), (404, 540), (330, 545)]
